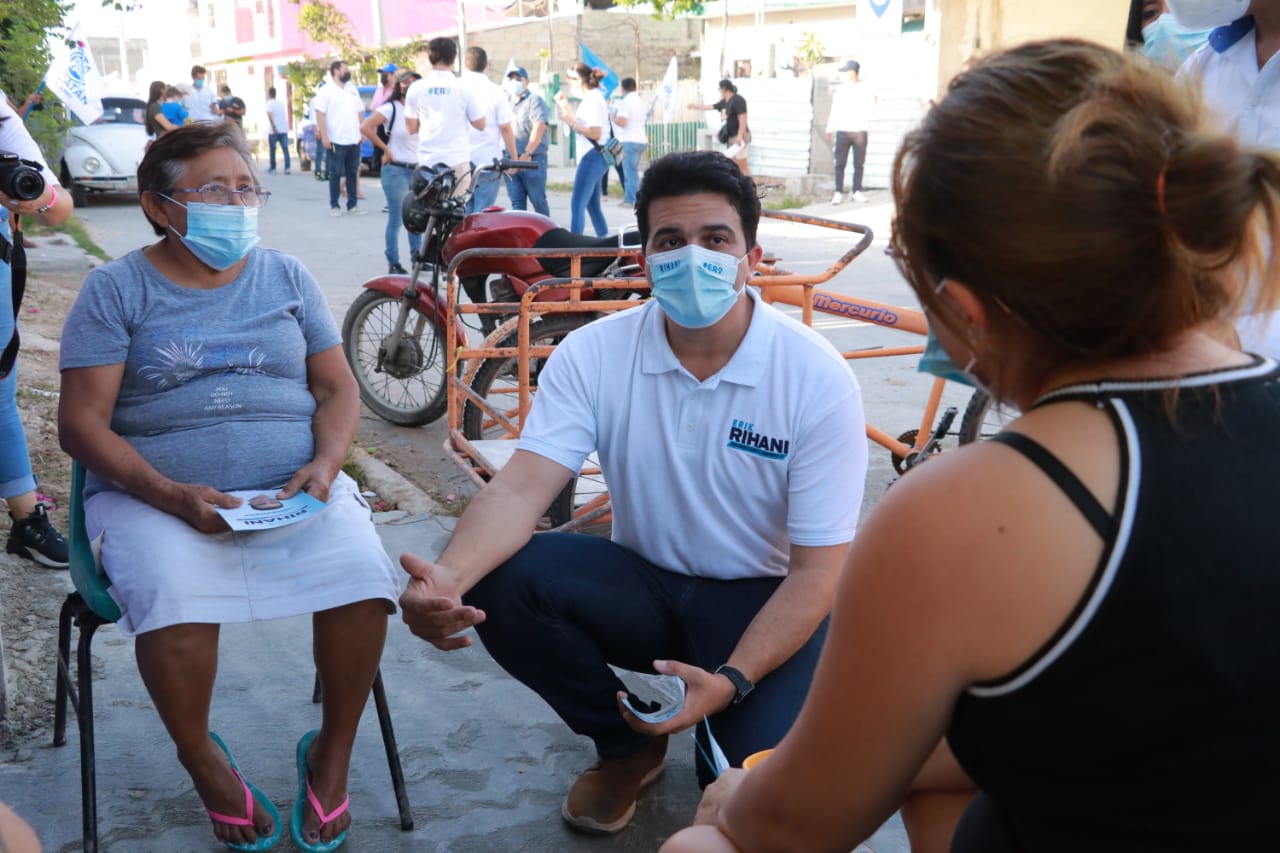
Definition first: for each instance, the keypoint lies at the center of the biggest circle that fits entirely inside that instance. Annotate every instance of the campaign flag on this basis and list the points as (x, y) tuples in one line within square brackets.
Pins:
[(74, 78), (669, 92), (511, 66), (610, 81)]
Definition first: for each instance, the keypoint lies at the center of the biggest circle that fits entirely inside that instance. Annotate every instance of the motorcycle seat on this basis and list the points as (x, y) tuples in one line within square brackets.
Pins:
[(562, 238)]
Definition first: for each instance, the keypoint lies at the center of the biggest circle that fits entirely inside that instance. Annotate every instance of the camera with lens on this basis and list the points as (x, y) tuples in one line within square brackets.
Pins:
[(20, 179)]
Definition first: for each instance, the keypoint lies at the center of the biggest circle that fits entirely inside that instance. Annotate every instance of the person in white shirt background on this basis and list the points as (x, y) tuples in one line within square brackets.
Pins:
[(628, 126), (590, 121), (437, 107), (496, 139), (201, 103), (1238, 70), (847, 128), (278, 121), (399, 157), (339, 112)]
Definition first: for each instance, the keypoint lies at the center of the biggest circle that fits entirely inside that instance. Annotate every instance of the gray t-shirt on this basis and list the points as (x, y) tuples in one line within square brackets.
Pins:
[(215, 381)]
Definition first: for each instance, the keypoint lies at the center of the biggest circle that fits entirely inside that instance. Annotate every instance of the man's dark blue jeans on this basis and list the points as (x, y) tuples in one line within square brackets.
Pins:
[(567, 605), (344, 162)]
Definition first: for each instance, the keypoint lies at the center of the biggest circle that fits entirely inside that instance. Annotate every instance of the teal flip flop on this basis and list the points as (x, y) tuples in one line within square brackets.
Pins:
[(305, 796), (251, 794)]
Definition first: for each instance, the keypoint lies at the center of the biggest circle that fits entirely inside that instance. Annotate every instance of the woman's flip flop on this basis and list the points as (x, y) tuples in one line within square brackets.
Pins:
[(264, 842), (305, 796)]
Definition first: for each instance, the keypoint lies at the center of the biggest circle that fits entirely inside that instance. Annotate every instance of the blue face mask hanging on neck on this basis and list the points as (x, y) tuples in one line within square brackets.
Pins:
[(694, 286), (220, 235)]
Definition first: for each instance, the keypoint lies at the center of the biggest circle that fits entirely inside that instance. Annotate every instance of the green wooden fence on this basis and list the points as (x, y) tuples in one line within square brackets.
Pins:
[(676, 136)]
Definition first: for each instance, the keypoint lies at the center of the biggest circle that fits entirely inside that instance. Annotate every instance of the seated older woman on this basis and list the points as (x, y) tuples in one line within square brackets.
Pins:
[(196, 365)]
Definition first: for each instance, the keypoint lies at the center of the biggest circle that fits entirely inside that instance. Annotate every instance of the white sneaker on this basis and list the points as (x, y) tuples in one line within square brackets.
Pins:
[(335, 211), (859, 197), (837, 198)]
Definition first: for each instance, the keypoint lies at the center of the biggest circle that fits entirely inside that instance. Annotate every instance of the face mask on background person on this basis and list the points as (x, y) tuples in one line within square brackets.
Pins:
[(199, 83), (346, 77), (514, 88), (694, 286), (220, 235), (1207, 14), (1168, 43)]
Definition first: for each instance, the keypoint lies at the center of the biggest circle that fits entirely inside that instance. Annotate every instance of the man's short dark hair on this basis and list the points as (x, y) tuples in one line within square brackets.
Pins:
[(197, 70), (628, 84), (690, 172), (476, 59), (224, 90), (441, 50), (271, 92), (335, 65)]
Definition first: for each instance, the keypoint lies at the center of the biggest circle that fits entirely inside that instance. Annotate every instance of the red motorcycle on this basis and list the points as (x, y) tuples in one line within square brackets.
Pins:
[(393, 335)]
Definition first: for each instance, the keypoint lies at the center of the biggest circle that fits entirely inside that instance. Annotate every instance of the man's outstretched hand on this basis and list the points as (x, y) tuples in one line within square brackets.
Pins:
[(432, 606)]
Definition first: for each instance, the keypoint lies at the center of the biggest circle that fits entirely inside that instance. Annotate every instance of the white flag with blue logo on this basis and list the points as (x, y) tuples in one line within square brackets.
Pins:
[(668, 91), (74, 78)]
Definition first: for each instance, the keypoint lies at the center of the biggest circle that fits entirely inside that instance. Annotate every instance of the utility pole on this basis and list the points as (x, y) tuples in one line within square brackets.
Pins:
[(379, 23), (462, 31)]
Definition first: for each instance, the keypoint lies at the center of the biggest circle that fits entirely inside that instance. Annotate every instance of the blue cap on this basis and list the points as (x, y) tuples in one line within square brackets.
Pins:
[(389, 68), (519, 72)]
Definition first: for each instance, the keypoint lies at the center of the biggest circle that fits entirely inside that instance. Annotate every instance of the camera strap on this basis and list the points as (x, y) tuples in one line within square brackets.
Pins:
[(16, 256)]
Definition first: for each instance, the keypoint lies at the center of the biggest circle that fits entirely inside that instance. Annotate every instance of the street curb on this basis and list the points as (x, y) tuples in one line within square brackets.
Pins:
[(393, 488)]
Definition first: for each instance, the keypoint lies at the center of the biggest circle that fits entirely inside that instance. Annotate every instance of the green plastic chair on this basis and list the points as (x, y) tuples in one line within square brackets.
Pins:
[(89, 607)]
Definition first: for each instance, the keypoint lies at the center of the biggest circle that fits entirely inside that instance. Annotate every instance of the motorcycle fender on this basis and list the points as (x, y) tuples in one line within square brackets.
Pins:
[(394, 285)]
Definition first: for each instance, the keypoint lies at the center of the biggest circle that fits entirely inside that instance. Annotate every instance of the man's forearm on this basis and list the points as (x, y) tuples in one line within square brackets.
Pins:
[(496, 524), (535, 137), (789, 618)]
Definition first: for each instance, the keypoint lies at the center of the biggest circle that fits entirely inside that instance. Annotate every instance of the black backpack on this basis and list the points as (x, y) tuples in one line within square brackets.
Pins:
[(384, 130)]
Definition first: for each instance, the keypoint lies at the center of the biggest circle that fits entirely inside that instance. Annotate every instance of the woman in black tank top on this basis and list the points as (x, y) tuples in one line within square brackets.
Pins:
[(1063, 639)]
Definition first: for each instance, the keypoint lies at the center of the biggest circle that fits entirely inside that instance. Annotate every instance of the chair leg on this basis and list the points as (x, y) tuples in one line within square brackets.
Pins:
[(84, 717), (64, 670), (393, 752)]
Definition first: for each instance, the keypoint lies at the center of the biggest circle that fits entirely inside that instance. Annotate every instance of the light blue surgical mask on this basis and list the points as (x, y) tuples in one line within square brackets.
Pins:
[(935, 360), (694, 286), (220, 235), (199, 83), (1168, 43)]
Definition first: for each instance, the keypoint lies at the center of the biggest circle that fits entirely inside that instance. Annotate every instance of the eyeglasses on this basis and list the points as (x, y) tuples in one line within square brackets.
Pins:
[(221, 194)]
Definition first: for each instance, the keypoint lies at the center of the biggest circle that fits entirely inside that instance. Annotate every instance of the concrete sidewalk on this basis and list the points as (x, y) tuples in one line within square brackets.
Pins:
[(486, 762)]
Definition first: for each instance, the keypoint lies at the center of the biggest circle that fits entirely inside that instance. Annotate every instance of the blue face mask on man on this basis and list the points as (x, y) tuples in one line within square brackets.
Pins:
[(694, 286), (220, 235), (1168, 43), (198, 83)]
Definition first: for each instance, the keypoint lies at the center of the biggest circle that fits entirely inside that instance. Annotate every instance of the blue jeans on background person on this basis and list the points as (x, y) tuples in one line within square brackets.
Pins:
[(631, 154), (486, 191), (566, 605), (281, 139), (395, 185), (322, 159), (344, 162), (586, 194), (16, 477), (529, 186)]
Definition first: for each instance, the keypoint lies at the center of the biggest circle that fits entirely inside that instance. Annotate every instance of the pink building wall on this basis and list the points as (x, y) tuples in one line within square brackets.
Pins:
[(402, 19)]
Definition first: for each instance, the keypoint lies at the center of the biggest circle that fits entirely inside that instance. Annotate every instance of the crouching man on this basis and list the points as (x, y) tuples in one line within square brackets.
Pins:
[(732, 441)]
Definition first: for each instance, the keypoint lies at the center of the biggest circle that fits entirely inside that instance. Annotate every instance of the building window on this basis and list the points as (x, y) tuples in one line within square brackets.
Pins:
[(741, 68)]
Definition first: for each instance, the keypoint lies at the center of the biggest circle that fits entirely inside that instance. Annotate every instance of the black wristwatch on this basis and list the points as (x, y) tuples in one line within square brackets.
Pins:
[(742, 686)]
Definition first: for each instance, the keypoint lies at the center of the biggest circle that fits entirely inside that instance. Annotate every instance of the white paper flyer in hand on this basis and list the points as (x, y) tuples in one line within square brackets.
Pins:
[(658, 697), (262, 510)]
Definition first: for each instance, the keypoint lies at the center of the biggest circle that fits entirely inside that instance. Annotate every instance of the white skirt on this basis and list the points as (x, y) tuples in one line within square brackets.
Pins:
[(165, 572)]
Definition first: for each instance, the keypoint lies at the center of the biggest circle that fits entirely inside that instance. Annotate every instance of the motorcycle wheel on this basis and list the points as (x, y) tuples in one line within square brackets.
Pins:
[(411, 391), (496, 382)]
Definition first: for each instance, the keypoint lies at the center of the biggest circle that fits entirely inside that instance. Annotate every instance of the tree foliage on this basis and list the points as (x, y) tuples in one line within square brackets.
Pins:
[(666, 9), (324, 23), (24, 26)]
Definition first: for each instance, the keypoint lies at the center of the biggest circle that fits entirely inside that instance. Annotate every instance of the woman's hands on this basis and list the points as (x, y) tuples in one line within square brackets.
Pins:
[(314, 478), (195, 504)]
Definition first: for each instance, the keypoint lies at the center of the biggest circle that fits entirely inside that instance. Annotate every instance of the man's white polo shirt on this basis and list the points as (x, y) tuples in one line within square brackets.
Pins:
[(444, 108), (343, 111), (719, 478)]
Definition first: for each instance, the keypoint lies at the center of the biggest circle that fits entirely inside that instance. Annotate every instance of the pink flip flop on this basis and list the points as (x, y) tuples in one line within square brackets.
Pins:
[(305, 794), (251, 793)]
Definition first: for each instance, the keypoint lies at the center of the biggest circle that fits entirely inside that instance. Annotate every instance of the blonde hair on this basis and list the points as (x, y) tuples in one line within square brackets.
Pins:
[(1081, 193)]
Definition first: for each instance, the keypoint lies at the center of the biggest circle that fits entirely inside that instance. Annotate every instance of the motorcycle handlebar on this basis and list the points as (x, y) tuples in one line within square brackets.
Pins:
[(505, 165)]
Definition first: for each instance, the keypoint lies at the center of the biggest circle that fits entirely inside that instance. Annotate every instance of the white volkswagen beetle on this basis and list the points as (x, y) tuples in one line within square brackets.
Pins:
[(104, 156)]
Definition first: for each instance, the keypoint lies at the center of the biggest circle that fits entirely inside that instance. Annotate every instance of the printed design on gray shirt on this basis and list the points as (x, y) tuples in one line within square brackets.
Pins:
[(177, 363)]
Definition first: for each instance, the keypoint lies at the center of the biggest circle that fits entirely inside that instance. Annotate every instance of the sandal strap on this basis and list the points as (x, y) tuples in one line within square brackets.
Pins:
[(248, 807), (319, 809)]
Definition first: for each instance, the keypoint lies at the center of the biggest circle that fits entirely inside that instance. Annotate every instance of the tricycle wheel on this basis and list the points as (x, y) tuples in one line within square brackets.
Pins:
[(983, 417), (409, 389)]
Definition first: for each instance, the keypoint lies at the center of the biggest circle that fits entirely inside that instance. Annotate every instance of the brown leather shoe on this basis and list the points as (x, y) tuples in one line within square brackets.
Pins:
[(603, 799)]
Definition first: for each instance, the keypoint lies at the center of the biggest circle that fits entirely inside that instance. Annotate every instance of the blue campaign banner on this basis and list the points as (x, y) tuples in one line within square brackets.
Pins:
[(611, 79)]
